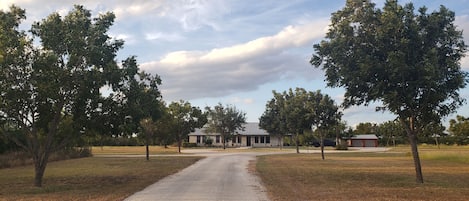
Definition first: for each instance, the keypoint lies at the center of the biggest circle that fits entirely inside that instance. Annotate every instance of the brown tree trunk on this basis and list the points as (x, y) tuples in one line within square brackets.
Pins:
[(412, 134), (40, 163), (297, 144), (321, 138), (416, 157)]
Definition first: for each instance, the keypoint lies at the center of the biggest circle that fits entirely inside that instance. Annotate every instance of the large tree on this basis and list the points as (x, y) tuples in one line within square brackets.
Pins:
[(409, 62), (324, 115), (55, 82), (184, 119), (225, 120), (273, 118), (140, 100), (459, 129)]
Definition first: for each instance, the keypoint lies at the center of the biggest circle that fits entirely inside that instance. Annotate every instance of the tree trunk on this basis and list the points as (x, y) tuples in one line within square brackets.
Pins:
[(40, 163), (223, 141), (415, 154), (297, 142), (179, 146), (411, 133), (322, 146), (147, 149)]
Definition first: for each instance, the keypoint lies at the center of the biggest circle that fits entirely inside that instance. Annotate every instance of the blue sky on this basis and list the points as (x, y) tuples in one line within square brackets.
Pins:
[(231, 51)]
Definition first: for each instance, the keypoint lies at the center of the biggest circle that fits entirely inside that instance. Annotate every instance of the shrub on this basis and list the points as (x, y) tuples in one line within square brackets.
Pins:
[(342, 146), (189, 144)]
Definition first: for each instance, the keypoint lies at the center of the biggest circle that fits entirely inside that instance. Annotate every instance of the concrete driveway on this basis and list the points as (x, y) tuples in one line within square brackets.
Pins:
[(220, 176)]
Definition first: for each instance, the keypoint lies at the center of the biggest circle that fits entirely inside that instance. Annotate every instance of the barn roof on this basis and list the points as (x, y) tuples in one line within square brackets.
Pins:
[(365, 137)]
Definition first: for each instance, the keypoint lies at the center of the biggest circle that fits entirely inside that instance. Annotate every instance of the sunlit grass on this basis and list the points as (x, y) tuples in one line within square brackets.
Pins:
[(132, 150), (89, 178), (367, 176)]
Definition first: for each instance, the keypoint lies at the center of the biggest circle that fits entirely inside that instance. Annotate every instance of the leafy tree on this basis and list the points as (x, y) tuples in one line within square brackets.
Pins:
[(225, 121), (391, 131), (273, 118), (459, 128), (324, 115), (295, 111), (140, 100), (50, 93), (184, 119), (366, 128), (407, 61)]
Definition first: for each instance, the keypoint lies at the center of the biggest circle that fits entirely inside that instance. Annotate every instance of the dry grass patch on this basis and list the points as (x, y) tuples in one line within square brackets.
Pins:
[(89, 178), (361, 176), (132, 150)]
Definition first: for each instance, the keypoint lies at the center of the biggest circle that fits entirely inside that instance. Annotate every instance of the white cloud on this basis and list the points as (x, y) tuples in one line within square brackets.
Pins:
[(172, 37), (242, 67)]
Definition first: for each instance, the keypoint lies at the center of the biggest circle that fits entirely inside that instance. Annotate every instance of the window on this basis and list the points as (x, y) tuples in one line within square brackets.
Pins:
[(198, 139), (217, 140), (239, 139), (267, 139), (256, 139), (262, 139)]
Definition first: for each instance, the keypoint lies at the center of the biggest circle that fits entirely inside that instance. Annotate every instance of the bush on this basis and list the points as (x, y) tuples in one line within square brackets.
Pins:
[(342, 146), (21, 158), (189, 144)]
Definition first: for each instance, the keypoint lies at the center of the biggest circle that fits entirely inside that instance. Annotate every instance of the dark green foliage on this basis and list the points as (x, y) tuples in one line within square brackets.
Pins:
[(407, 61), (225, 121), (50, 95)]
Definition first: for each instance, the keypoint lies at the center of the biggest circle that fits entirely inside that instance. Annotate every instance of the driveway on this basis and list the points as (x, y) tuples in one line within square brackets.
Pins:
[(220, 176)]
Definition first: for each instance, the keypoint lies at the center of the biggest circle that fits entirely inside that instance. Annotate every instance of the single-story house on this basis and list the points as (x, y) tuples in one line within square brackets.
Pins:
[(251, 136), (368, 140)]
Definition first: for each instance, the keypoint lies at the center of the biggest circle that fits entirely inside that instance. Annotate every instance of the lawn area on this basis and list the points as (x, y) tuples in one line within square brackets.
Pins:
[(367, 176), (132, 150), (94, 178)]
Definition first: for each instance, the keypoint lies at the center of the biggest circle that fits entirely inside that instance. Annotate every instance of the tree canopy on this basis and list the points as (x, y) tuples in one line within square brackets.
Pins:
[(225, 120), (50, 92), (409, 62)]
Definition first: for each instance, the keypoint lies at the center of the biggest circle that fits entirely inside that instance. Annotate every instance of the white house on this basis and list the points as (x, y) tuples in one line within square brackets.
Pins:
[(251, 136)]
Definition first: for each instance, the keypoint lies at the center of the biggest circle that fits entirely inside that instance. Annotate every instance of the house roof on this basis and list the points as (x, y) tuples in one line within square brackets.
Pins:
[(250, 128), (365, 137)]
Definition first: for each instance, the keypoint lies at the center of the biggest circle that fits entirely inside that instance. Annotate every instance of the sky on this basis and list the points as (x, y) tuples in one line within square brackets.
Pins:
[(233, 52)]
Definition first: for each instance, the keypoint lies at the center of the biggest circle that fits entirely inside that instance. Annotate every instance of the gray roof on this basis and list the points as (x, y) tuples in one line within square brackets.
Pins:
[(249, 129), (365, 137)]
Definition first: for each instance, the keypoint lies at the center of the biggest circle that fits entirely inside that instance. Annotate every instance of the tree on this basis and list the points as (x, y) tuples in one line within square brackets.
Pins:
[(272, 120), (58, 82), (408, 62), (324, 115), (366, 128), (459, 128), (225, 121), (140, 99), (184, 119), (391, 130)]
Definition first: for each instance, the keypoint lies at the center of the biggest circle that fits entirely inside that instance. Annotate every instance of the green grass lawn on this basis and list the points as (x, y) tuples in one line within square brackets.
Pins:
[(367, 176), (89, 178)]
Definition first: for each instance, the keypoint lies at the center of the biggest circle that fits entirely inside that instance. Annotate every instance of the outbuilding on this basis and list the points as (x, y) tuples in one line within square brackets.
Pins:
[(368, 140)]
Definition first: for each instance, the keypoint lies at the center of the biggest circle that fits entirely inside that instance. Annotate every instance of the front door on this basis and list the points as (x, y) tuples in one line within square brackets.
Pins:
[(248, 141)]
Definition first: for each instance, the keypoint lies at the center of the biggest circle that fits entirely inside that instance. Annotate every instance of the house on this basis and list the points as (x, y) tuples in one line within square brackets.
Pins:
[(251, 136), (368, 140)]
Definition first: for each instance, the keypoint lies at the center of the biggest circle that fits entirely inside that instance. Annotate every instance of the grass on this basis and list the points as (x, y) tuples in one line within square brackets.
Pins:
[(132, 150), (91, 178), (367, 176)]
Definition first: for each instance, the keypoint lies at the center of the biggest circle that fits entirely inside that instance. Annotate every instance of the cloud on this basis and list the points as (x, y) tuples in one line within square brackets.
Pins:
[(171, 37), (242, 67), (463, 24)]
